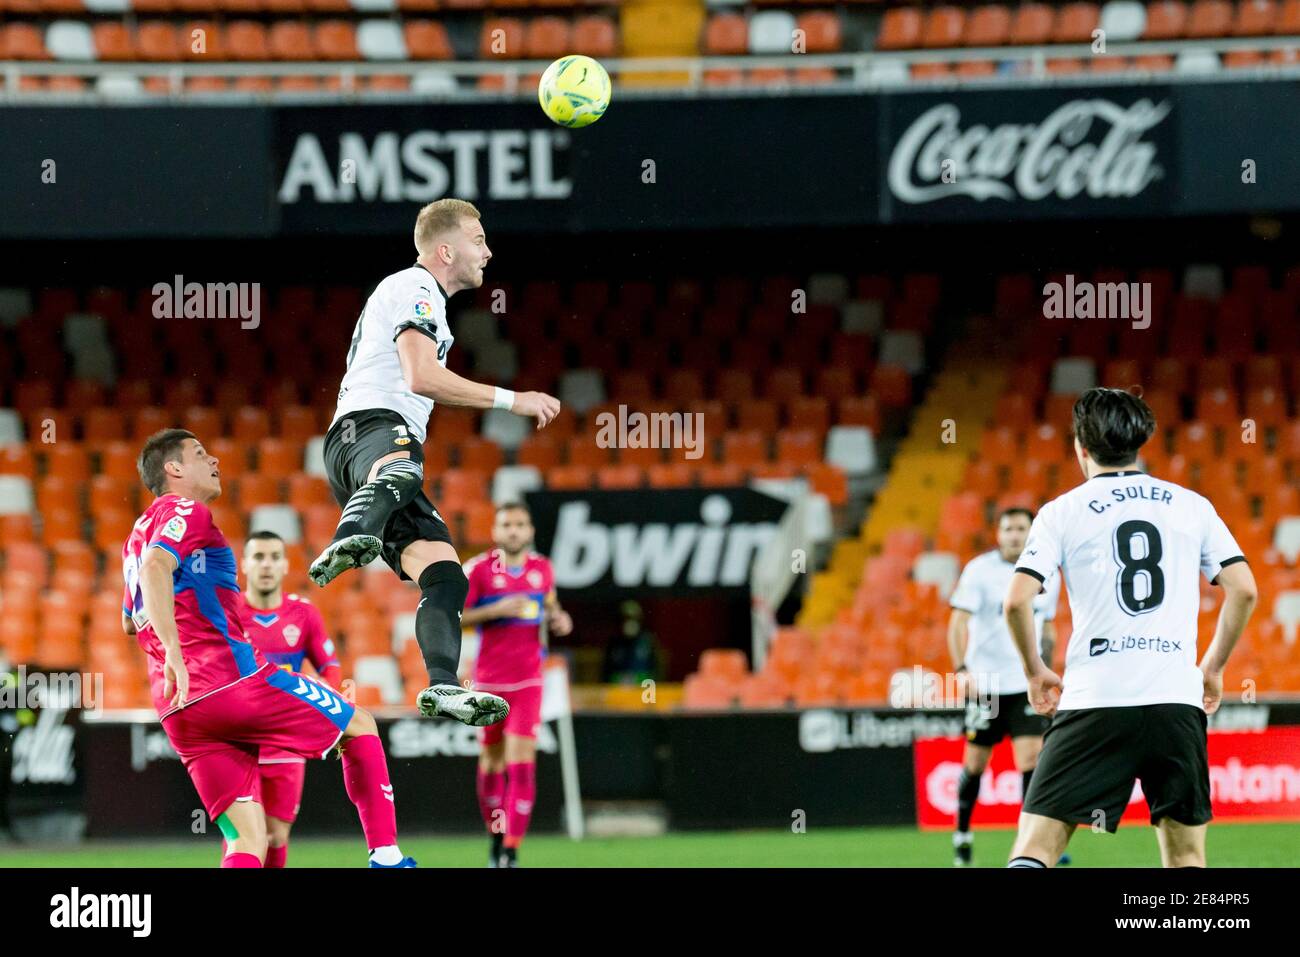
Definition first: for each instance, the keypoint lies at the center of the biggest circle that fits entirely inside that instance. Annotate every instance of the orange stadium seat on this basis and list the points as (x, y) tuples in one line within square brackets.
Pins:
[(1031, 24), (248, 41), (502, 39), (1288, 19), (1075, 23), (427, 40), (569, 477), (595, 36), (987, 26), (155, 40), (113, 41), (1166, 20), (22, 41), (822, 33), (900, 29), (670, 475), (546, 38), (335, 40), (944, 26), (1210, 18)]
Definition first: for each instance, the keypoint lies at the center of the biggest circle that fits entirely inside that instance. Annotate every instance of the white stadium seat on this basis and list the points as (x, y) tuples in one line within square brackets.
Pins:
[(11, 427), (903, 348), (1204, 281), (496, 361), (70, 40), (1286, 539), (1073, 376), (16, 495), (281, 519), (582, 389), (476, 327), (510, 482), (119, 86), (382, 672), (14, 305), (888, 73), (1123, 20), (374, 6), (108, 6), (852, 448), (433, 81), (1286, 612), (941, 568), (828, 288), (381, 40), (313, 457), (863, 316), (771, 31), (507, 429), (1197, 62)]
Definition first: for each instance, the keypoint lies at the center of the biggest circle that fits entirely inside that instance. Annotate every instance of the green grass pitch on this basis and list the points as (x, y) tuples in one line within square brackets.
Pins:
[(1229, 845)]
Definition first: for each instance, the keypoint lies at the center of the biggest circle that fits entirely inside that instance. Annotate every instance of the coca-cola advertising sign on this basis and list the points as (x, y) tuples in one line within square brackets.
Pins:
[(1253, 775), (1020, 152)]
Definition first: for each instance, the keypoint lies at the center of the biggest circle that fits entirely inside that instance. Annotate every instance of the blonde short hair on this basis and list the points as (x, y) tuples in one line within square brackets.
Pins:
[(440, 217)]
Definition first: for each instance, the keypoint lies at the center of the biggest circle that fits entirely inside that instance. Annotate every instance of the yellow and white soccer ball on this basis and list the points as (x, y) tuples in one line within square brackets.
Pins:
[(574, 91)]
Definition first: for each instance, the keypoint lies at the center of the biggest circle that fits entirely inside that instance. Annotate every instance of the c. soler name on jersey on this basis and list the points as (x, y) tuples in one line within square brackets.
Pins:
[(1121, 495)]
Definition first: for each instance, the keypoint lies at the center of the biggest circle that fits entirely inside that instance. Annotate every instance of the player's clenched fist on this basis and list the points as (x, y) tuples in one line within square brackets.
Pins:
[(538, 405)]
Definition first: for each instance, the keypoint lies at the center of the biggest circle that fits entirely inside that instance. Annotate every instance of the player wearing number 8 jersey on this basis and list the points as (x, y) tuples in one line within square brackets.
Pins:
[(374, 456), (1134, 701)]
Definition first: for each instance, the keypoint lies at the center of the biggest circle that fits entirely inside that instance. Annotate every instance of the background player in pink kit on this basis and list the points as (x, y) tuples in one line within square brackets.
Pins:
[(287, 630), (511, 596), (219, 700)]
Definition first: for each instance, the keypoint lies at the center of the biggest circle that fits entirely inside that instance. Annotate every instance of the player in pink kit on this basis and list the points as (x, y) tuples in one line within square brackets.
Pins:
[(287, 630), (218, 698), (511, 596)]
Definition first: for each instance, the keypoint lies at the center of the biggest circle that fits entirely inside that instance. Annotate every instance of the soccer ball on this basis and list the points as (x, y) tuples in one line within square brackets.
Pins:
[(574, 91)]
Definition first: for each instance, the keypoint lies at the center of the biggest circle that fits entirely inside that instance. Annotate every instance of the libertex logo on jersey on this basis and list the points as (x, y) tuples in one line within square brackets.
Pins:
[(423, 165), (1101, 646)]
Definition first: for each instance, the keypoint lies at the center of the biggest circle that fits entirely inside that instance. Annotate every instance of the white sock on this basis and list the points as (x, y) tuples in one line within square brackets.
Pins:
[(960, 838), (388, 855)]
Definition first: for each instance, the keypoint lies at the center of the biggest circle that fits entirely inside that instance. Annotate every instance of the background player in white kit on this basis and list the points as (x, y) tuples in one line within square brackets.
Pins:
[(997, 698), (1135, 701), (374, 455)]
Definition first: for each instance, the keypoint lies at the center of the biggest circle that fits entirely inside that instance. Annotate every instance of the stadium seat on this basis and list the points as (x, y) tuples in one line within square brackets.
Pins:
[(900, 29)]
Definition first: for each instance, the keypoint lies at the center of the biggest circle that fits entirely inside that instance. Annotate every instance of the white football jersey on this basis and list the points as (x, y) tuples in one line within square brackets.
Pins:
[(1130, 547), (410, 299), (991, 656)]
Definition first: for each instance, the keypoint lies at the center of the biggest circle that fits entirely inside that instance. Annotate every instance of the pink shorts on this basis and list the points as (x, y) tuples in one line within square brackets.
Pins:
[(220, 737), (282, 783), (525, 715)]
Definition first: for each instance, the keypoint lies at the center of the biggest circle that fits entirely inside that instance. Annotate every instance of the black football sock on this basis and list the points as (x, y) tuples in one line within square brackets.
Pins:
[(443, 587), (371, 506), (968, 790)]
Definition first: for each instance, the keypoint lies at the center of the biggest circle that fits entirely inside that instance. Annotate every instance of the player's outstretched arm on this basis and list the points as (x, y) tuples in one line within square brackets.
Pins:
[(1018, 608), (1240, 596), (159, 598), (427, 377)]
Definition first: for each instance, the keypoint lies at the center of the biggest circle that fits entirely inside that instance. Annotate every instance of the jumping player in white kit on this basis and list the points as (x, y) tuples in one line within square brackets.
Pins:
[(374, 455)]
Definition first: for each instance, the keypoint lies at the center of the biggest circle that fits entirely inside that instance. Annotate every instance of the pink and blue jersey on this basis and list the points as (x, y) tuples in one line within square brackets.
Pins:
[(510, 649), (207, 599), (291, 633)]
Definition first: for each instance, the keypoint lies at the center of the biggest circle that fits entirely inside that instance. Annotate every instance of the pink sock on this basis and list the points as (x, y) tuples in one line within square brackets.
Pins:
[(240, 859), (521, 791), (491, 792), (276, 856), (365, 776)]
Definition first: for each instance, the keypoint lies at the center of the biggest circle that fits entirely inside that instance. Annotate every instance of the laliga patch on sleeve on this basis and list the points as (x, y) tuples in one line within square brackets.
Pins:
[(174, 529), (423, 310)]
